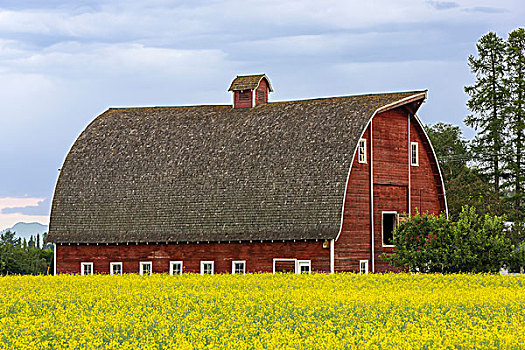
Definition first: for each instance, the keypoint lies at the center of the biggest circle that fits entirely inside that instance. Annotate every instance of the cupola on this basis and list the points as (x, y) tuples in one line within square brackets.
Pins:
[(250, 90)]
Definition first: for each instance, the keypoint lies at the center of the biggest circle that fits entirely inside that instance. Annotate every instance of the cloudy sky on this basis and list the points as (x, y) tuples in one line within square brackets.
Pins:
[(64, 62)]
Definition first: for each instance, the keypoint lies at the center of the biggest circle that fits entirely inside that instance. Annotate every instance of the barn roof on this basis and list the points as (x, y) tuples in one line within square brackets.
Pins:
[(248, 82), (213, 173)]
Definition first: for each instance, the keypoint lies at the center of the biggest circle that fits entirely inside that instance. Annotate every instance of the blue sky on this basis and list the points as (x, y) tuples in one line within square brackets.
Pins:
[(64, 62)]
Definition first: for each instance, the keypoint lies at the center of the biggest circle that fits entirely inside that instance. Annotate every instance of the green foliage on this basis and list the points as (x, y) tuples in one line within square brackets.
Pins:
[(487, 102), (515, 112), (472, 243), (18, 258), (468, 188), (450, 147)]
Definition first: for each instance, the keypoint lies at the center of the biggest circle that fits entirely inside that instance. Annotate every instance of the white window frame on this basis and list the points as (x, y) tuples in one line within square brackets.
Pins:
[(300, 263), (203, 262), (83, 267), (144, 263), (382, 225), (176, 262), (414, 151), (361, 151), (243, 262), (363, 267), (115, 264)]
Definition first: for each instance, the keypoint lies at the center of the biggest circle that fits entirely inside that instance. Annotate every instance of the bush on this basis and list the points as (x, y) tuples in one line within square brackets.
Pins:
[(17, 258), (473, 243)]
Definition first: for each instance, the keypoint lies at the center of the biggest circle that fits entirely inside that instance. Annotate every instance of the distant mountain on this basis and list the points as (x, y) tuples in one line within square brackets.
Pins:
[(26, 230)]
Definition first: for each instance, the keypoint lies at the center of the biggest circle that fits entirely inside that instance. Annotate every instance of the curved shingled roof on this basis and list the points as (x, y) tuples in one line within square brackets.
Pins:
[(212, 173), (248, 82)]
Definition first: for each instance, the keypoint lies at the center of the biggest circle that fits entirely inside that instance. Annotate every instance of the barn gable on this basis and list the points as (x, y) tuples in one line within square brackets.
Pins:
[(213, 173)]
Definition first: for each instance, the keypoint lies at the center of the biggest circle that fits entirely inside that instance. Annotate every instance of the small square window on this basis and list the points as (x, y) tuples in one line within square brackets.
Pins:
[(303, 266), (414, 154), (86, 268), (363, 267), (245, 95), (239, 267), (207, 267), (175, 267), (115, 268), (146, 268), (361, 151)]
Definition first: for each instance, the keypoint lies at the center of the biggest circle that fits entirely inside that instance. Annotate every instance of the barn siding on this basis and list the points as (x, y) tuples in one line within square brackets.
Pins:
[(238, 103), (391, 189), (259, 256), (354, 242), (426, 184), (263, 86)]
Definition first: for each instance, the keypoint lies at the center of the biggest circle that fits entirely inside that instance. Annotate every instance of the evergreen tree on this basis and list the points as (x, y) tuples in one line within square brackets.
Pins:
[(515, 84), (487, 104)]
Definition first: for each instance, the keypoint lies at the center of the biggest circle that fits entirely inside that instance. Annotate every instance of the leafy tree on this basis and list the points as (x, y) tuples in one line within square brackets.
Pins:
[(450, 147), (472, 243), (487, 104), (469, 188), (18, 258), (515, 85), (9, 238)]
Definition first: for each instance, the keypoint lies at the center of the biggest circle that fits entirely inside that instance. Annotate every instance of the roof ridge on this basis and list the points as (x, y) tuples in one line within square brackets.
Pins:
[(273, 102)]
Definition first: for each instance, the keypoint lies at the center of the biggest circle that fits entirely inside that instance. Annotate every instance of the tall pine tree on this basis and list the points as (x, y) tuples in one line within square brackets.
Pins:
[(487, 104), (515, 84)]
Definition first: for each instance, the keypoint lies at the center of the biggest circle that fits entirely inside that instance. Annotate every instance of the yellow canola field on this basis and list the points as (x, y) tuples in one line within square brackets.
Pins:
[(262, 311)]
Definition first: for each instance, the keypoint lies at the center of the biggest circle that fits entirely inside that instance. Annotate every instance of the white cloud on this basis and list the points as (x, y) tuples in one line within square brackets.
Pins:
[(9, 220), (169, 20), (13, 202)]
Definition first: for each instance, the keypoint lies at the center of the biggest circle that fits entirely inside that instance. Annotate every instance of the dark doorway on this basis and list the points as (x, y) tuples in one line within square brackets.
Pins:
[(389, 225)]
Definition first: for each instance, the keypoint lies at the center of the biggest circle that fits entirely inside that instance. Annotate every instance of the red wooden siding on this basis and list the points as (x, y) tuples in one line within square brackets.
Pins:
[(391, 163), (426, 187), (239, 102), (262, 88), (259, 256), (354, 242)]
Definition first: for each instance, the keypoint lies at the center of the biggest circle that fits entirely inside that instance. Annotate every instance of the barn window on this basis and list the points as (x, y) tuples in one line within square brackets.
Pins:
[(239, 267), (115, 268), (207, 267), (361, 151), (389, 225), (414, 154), (244, 95), (146, 267), (261, 96), (175, 267), (86, 268), (303, 266), (363, 267)]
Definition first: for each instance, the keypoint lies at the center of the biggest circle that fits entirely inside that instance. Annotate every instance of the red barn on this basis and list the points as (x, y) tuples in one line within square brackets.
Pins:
[(309, 185)]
